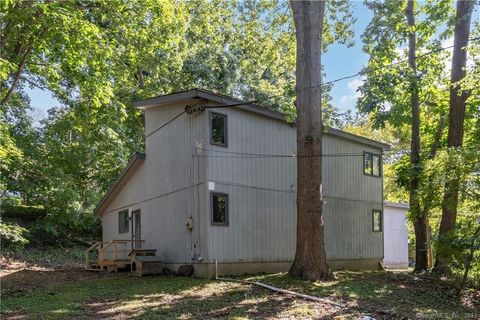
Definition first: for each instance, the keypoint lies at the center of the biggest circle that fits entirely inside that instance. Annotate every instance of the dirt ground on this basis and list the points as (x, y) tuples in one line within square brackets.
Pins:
[(18, 278)]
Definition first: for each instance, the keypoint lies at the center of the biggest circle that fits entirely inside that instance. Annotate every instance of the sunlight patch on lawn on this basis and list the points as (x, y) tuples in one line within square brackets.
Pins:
[(60, 311), (254, 300), (301, 309)]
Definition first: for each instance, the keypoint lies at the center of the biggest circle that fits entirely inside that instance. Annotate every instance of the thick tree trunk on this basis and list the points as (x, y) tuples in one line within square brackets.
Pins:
[(456, 117), (420, 221), (310, 259)]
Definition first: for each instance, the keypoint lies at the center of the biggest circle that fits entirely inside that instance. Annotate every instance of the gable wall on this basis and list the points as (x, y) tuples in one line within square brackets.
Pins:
[(171, 186)]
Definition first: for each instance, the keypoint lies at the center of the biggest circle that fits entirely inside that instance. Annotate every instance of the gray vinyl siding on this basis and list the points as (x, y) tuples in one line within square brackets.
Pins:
[(261, 190), (350, 198), (262, 194), (129, 197), (171, 185), (176, 174)]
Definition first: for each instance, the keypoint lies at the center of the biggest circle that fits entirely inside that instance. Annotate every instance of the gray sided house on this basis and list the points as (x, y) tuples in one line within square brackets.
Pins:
[(220, 184)]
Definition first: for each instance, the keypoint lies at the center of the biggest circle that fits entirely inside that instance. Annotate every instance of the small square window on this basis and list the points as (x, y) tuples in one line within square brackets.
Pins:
[(218, 129), (377, 220), (123, 222), (371, 164), (219, 209)]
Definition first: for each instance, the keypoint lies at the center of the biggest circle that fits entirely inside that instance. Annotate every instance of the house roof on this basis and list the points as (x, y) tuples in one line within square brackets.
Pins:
[(131, 167), (207, 95), (222, 99)]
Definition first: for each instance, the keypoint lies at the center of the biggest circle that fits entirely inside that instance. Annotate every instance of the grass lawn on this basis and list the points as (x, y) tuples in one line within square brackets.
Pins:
[(382, 295)]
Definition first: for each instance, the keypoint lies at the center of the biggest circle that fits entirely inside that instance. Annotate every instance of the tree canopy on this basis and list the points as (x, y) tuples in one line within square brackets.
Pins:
[(98, 57)]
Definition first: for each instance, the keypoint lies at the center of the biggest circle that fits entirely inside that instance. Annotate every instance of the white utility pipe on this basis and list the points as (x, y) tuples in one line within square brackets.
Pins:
[(301, 295)]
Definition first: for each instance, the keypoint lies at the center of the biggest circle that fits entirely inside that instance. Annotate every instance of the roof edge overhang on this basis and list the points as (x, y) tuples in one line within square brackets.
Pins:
[(359, 139), (210, 96), (131, 167), (225, 100)]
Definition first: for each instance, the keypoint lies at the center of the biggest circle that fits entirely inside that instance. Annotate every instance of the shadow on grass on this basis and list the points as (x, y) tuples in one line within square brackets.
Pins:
[(385, 294), (150, 297)]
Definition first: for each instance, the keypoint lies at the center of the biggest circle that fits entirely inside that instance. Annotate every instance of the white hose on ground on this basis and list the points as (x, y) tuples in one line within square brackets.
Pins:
[(293, 293)]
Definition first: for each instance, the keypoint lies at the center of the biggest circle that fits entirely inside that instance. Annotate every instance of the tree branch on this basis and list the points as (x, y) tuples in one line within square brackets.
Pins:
[(17, 75)]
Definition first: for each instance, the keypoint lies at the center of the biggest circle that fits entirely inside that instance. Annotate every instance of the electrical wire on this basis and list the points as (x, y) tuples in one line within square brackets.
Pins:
[(315, 86), (233, 154), (348, 77), (165, 124)]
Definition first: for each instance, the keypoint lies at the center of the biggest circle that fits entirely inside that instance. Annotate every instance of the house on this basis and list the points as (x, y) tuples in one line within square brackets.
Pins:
[(219, 184), (396, 235)]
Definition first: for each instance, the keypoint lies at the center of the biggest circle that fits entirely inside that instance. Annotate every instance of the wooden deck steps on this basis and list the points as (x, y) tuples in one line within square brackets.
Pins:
[(110, 256)]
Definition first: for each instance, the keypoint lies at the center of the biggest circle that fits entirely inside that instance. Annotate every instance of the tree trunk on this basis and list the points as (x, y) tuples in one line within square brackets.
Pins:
[(310, 259), (420, 221), (458, 98)]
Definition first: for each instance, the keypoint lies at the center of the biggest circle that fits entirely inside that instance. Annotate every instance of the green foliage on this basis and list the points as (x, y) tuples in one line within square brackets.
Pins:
[(98, 57), (385, 97), (385, 92), (12, 235)]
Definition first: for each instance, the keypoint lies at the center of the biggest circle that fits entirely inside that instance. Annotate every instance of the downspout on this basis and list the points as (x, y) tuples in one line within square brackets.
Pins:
[(275, 289)]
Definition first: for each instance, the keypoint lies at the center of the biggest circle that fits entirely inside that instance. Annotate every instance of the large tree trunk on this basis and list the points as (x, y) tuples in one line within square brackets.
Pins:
[(458, 97), (420, 222), (310, 259)]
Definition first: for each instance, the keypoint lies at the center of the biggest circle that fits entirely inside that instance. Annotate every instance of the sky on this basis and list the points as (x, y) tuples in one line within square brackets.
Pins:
[(339, 61)]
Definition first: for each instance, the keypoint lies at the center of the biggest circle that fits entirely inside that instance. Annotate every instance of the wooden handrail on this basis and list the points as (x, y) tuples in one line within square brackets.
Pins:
[(101, 247), (93, 246), (104, 247), (87, 253), (109, 243)]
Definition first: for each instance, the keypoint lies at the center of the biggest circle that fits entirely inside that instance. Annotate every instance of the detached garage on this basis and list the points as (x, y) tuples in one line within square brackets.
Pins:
[(395, 235)]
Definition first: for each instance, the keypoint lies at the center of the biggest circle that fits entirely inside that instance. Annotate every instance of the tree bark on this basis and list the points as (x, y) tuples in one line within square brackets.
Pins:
[(24, 59), (420, 221), (21, 66), (310, 261), (458, 98)]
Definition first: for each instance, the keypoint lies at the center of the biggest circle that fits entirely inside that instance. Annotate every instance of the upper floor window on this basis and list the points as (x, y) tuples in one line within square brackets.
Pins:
[(371, 164), (123, 223), (219, 209), (218, 129)]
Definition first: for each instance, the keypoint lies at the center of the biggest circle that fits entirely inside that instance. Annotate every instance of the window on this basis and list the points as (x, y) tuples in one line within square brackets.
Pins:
[(377, 220), (371, 164), (219, 209), (218, 129), (123, 221)]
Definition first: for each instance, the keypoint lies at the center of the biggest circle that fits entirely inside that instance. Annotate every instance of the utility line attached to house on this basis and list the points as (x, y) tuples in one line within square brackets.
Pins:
[(191, 109)]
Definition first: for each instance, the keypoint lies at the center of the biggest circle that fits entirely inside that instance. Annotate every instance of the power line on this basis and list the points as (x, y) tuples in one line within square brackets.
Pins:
[(315, 86), (233, 154), (166, 124), (350, 76)]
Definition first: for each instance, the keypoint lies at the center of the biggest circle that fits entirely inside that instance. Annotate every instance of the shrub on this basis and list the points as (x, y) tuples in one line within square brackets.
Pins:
[(12, 235)]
